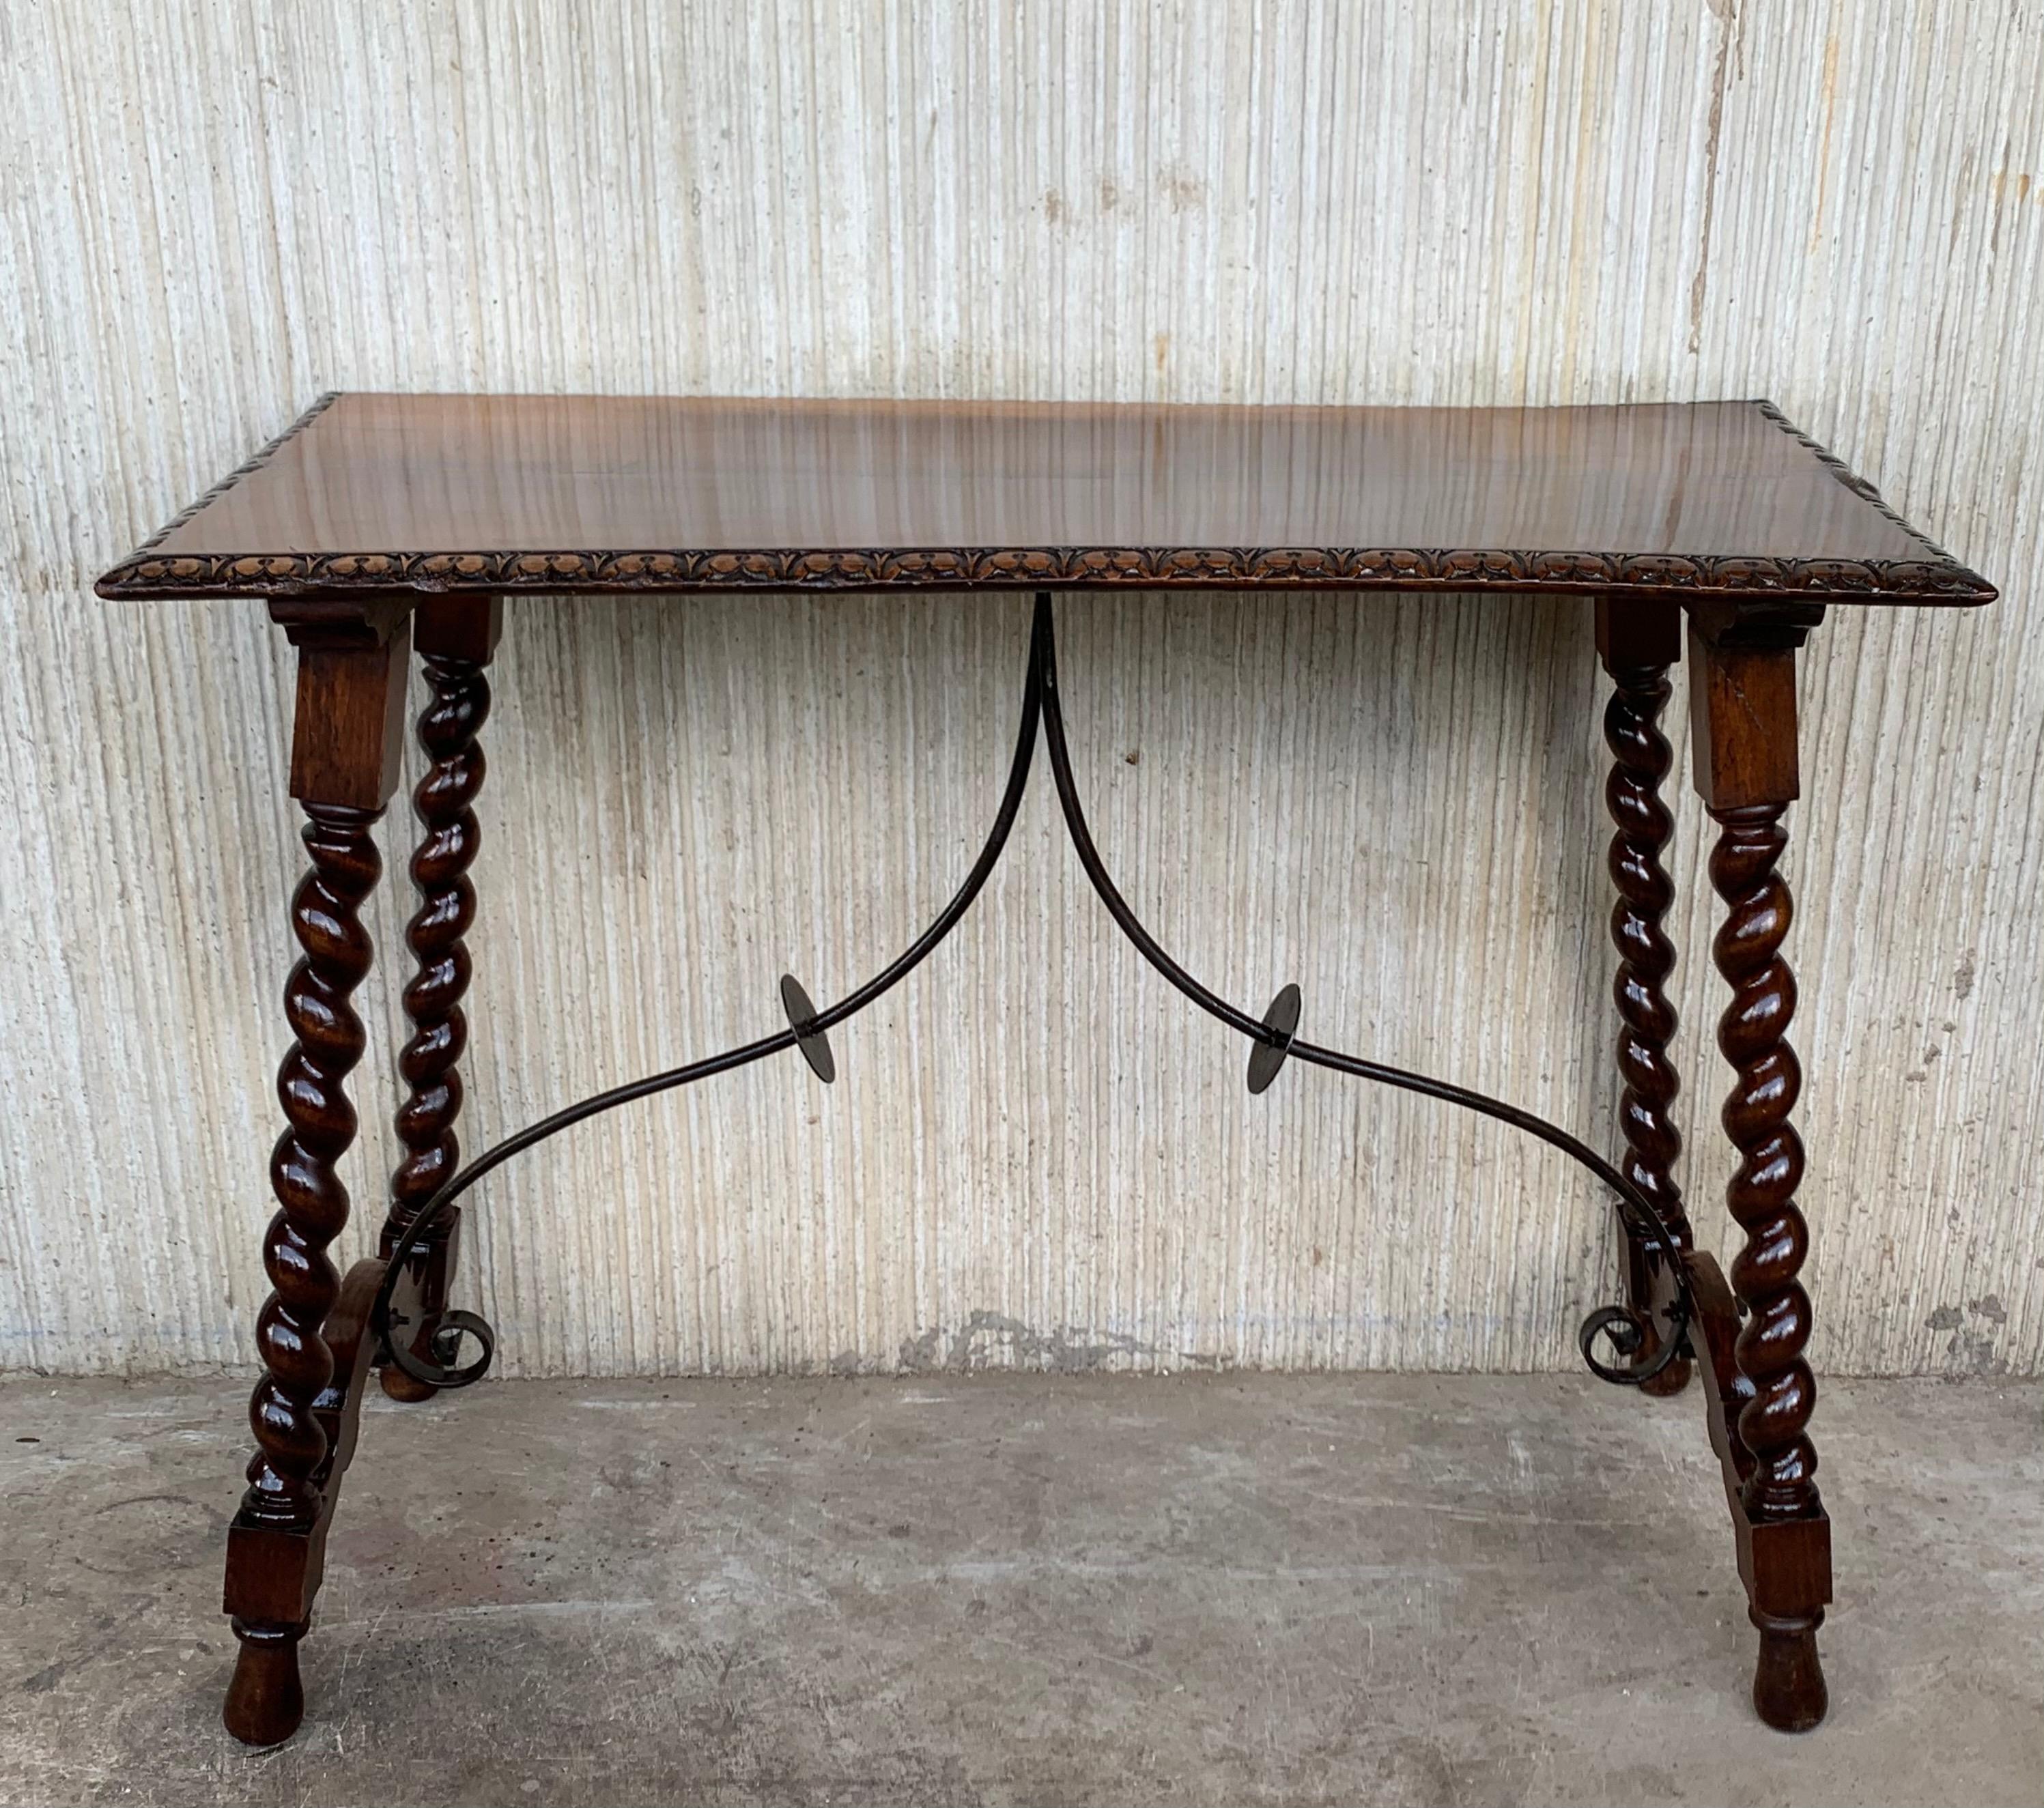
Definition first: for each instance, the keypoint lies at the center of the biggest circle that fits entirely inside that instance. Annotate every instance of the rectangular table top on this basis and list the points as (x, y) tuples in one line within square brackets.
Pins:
[(369, 493)]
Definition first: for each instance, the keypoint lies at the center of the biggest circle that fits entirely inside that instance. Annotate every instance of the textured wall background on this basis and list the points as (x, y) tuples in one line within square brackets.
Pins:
[(1035, 1152)]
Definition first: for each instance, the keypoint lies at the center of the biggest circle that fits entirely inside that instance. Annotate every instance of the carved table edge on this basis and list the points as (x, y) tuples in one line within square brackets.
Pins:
[(1937, 578), (1669, 577)]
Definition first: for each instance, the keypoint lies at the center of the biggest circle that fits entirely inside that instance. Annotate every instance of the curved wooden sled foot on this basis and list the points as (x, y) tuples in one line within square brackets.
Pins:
[(274, 1571), (1650, 1297), (1671, 1380), (399, 1386), (420, 1302), (1786, 1564)]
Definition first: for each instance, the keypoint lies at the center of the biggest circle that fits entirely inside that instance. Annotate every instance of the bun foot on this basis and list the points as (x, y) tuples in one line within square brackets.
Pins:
[(1788, 1682), (265, 1701)]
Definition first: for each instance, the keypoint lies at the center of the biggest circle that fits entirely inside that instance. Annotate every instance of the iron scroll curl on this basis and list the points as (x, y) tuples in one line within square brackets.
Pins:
[(1642, 1350)]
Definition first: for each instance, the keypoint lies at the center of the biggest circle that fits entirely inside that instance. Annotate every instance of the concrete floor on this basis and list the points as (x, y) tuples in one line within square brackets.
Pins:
[(1011, 1588)]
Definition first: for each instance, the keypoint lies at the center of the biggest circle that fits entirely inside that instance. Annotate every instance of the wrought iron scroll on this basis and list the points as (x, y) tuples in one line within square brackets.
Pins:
[(1273, 1039)]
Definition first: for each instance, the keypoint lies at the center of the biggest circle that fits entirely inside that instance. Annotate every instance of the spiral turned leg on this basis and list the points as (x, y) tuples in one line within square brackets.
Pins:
[(311, 1335), (1779, 1486), (1645, 957), (443, 800), (284, 1494), (1742, 714)]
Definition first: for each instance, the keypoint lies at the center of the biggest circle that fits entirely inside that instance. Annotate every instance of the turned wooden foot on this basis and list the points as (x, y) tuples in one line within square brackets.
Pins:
[(265, 1701), (1638, 641), (1788, 1683)]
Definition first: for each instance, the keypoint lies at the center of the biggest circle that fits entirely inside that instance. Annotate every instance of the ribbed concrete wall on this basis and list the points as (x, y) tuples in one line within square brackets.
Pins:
[(1034, 1153)]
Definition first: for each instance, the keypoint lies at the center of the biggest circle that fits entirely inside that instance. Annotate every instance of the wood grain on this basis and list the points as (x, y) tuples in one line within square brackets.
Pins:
[(480, 493)]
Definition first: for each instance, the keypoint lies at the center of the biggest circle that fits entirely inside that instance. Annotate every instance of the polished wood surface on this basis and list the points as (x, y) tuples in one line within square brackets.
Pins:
[(1742, 707), (345, 766), (1638, 646), (380, 493), (456, 636)]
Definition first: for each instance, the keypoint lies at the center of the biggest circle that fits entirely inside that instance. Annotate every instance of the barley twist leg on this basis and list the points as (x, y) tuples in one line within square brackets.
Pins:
[(444, 801), (1641, 759), (1782, 1485)]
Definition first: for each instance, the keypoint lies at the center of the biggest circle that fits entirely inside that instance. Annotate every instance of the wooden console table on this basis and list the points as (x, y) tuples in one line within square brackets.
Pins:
[(377, 523)]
